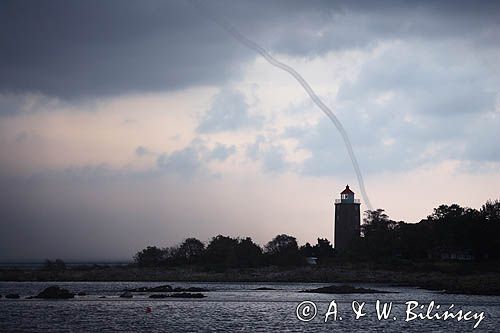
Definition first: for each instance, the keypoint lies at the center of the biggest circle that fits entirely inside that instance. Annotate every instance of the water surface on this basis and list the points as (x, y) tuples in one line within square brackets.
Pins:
[(228, 307)]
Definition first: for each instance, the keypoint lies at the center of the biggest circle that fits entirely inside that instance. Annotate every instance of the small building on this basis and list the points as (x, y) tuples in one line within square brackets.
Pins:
[(347, 220)]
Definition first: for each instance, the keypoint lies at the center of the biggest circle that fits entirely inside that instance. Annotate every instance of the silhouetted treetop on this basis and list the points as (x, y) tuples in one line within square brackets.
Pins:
[(281, 244), (191, 250), (283, 250), (376, 221), (445, 212), (490, 211), (223, 251), (150, 256)]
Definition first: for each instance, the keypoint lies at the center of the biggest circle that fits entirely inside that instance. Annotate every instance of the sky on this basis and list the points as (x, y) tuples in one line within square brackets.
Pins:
[(125, 124)]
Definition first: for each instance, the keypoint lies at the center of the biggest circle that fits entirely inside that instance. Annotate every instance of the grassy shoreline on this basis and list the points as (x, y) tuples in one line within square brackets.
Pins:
[(473, 282)]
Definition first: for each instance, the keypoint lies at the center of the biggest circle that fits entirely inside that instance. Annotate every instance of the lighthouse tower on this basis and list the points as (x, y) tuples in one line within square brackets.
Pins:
[(347, 220)]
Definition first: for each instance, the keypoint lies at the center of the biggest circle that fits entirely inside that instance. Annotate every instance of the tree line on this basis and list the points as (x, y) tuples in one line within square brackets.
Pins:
[(450, 232), (224, 252)]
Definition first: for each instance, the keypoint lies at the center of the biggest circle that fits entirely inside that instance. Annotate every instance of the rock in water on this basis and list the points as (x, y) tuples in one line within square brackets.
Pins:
[(188, 295), (165, 289), (161, 289), (158, 296), (190, 289), (127, 294), (344, 289), (12, 296), (264, 288), (55, 292)]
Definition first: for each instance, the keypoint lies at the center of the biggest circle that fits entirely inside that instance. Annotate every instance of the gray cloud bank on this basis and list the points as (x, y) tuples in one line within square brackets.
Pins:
[(95, 48)]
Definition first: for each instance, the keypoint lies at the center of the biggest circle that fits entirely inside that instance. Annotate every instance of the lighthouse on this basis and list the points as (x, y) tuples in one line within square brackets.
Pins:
[(347, 220)]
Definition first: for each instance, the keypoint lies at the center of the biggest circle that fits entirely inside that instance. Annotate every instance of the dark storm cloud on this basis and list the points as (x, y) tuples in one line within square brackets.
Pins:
[(359, 24), (94, 48), (11, 103), (88, 48)]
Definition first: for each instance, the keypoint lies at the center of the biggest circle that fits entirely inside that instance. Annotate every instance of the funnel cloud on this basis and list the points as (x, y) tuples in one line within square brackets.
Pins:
[(317, 101)]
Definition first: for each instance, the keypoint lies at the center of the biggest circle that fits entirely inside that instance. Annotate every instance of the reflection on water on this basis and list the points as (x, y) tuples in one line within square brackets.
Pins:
[(229, 307)]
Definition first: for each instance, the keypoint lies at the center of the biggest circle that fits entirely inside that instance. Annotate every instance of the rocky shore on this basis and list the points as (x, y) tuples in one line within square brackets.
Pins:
[(473, 282), (344, 289)]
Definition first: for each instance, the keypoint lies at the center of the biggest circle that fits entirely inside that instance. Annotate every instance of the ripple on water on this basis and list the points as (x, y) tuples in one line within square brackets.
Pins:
[(229, 307)]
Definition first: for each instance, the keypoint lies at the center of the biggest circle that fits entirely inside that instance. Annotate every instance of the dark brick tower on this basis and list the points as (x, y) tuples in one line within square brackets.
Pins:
[(347, 220)]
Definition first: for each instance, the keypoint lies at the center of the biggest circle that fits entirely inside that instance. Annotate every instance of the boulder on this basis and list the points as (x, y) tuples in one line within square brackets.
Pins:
[(12, 296), (190, 289), (264, 288), (165, 289), (344, 289), (137, 290), (55, 292), (160, 289), (127, 294), (188, 295)]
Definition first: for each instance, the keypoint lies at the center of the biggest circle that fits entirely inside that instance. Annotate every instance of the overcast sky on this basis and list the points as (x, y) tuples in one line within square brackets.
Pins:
[(132, 123)]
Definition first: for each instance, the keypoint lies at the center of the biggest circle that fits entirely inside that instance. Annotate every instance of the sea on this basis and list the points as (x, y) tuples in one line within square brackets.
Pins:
[(242, 307)]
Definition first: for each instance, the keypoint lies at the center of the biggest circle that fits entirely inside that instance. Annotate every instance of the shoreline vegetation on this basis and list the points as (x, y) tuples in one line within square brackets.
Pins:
[(454, 278)]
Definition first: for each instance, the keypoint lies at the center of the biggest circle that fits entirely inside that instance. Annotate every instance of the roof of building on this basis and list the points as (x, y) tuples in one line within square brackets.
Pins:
[(347, 190)]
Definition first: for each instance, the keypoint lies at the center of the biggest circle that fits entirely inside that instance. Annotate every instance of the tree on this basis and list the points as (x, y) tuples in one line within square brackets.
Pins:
[(224, 252), (190, 251), (323, 249), (283, 250), (378, 233), (248, 253), (445, 212), (490, 211), (306, 250), (376, 222), (150, 257), (221, 252), (282, 244)]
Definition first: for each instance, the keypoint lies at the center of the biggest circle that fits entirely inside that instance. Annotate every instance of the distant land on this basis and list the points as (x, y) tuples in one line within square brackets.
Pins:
[(40, 263)]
